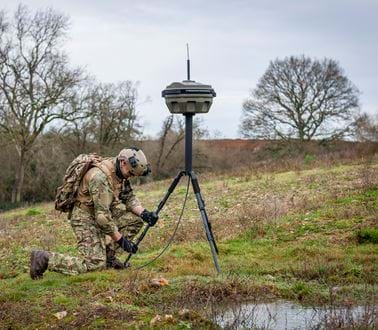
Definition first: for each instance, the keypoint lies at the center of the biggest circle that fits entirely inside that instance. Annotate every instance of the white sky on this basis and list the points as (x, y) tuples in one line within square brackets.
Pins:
[(231, 44)]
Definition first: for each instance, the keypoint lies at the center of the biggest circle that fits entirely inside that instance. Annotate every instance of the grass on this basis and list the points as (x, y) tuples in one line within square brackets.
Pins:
[(368, 235), (308, 236)]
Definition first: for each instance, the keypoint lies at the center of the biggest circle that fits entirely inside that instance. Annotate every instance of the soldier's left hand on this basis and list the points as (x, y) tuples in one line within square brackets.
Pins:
[(149, 217)]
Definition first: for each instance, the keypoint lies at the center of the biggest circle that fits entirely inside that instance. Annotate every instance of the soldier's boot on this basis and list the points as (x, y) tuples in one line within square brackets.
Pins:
[(39, 260), (112, 261)]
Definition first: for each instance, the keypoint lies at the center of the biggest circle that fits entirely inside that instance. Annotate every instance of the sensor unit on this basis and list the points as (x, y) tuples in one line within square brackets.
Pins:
[(188, 97)]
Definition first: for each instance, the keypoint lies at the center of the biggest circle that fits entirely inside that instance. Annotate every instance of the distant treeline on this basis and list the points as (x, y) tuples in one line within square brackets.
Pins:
[(53, 153)]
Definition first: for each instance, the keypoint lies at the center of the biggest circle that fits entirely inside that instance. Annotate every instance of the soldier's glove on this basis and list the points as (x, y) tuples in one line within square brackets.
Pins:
[(150, 217), (127, 246)]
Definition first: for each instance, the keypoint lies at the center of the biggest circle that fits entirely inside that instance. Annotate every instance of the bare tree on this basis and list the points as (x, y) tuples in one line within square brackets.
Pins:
[(170, 137), (113, 113), (78, 134), (366, 128), (166, 128), (299, 97), (35, 79), (171, 134), (108, 117)]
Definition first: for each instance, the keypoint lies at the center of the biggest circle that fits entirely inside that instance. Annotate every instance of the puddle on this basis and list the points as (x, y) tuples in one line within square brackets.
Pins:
[(287, 315)]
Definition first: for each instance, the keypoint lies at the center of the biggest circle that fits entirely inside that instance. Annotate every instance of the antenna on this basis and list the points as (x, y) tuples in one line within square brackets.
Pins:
[(187, 62)]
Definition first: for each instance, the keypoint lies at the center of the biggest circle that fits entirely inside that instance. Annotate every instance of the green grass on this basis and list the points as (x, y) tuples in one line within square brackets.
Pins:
[(292, 235), (33, 211), (368, 235)]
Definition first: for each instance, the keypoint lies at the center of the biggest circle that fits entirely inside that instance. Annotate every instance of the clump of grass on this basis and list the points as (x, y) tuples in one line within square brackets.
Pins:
[(33, 211), (367, 177), (207, 292), (309, 159), (367, 235)]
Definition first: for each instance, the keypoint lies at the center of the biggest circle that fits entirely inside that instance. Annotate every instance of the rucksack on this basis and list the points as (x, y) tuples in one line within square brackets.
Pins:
[(66, 194)]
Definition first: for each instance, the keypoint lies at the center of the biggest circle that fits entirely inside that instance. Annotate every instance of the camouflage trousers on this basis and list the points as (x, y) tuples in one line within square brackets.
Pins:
[(91, 242)]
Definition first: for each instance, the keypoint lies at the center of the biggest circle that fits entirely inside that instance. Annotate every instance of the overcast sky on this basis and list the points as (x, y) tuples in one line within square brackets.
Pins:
[(231, 44)]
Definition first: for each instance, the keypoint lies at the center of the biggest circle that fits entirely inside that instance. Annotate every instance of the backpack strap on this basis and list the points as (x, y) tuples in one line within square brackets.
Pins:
[(107, 167)]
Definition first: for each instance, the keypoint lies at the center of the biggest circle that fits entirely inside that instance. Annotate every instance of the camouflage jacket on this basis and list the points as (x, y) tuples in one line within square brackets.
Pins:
[(99, 194)]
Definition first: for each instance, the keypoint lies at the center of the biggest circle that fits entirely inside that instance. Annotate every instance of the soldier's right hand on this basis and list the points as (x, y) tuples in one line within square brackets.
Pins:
[(150, 217), (127, 246)]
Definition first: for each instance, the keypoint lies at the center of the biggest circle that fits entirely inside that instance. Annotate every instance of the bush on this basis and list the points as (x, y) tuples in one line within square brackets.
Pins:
[(309, 159), (33, 211), (368, 235), (7, 206)]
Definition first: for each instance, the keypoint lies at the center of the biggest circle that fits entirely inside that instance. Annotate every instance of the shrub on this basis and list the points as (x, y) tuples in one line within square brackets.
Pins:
[(368, 235), (7, 206), (33, 211), (309, 159)]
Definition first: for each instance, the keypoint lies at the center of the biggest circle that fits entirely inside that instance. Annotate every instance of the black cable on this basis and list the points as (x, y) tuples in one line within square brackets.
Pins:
[(174, 233)]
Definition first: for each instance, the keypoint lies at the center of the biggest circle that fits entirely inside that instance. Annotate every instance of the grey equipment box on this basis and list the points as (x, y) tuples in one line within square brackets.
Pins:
[(188, 97)]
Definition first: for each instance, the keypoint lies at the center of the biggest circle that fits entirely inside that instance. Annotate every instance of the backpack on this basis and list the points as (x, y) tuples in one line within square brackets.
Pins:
[(66, 194)]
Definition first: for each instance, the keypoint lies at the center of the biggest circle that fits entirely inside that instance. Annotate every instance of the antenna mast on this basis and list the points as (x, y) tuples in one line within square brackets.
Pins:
[(187, 62)]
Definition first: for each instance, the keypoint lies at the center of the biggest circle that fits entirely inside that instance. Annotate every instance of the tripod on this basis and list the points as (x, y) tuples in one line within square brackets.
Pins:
[(196, 188)]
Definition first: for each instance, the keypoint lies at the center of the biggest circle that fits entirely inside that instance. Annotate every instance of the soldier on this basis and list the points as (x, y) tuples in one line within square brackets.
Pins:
[(105, 218)]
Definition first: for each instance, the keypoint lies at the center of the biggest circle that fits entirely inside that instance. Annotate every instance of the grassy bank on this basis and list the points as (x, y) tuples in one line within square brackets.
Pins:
[(308, 236)]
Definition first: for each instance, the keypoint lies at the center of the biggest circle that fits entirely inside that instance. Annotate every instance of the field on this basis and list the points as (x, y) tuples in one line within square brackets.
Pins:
[(308, 236)]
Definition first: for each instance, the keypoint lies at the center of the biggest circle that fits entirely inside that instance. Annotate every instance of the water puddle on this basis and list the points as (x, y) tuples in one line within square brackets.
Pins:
[(288, 315)]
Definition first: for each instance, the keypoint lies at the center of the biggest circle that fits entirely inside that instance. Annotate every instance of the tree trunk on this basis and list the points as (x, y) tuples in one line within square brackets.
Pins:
[(301, 134), (20, 174)]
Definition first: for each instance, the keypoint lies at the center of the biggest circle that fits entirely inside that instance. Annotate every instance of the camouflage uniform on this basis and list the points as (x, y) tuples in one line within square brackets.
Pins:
[(98, 214)]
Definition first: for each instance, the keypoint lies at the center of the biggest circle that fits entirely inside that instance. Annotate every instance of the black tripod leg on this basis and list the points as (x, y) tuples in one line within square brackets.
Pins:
[(171, 188), (205, 220)]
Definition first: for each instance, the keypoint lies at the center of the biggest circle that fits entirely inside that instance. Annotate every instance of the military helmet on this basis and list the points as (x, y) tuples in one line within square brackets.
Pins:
[(137, 161)]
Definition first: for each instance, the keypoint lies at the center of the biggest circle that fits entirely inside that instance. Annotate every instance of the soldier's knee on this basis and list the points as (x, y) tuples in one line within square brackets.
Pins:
[(95, 265), (127, 219), (138, 223)]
